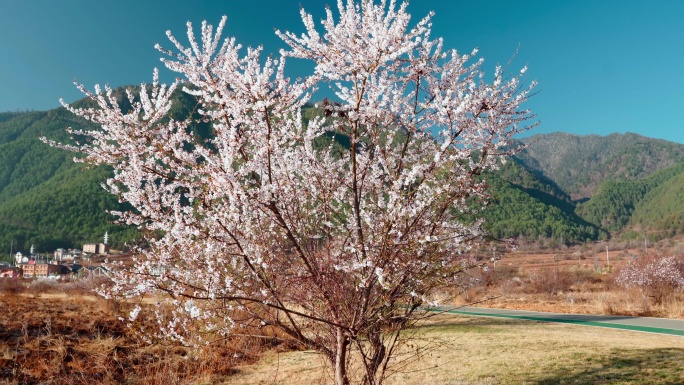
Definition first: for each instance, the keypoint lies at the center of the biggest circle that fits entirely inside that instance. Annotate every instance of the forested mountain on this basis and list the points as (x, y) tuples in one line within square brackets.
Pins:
[(661, 211), (525, 205), (635, 184), (579, 164), (614, 202), (46, 199)]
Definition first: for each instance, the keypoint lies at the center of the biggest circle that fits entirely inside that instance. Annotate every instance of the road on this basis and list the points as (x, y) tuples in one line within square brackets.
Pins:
[(641, 324)]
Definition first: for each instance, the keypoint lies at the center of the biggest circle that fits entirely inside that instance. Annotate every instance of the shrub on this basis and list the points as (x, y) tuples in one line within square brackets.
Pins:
[(658, 277), (550, 281), (11, 286), (37, 287), (497, 274)]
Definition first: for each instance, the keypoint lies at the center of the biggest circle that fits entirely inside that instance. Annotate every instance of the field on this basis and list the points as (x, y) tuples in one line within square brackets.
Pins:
[(581, 280), (474, 351), (59, 333), (69, 337), (59, 339)]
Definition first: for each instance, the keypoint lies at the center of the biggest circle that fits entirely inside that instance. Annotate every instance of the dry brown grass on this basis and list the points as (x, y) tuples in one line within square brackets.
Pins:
[(517, 284), (673, 307), (77, 338), (66, 335), (610, 302)]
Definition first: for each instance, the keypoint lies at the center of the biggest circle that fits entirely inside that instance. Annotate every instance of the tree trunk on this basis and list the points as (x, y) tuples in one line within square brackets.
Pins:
[(379, 351), (341, 359)]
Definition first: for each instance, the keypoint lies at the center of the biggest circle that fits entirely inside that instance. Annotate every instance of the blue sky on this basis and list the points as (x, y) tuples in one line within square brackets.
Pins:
[(602, 66)]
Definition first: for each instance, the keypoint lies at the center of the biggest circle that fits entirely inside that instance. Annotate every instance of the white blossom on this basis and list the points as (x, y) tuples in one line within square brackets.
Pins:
[(192, 310), (343, 220), (133, 315)]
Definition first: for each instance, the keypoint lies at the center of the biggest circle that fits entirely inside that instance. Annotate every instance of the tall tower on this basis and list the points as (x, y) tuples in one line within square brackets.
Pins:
[(106, 238), (31, 250)]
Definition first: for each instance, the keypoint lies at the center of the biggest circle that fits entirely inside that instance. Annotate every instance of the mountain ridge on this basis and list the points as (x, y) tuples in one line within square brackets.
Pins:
[(578, 164), (49, 201)]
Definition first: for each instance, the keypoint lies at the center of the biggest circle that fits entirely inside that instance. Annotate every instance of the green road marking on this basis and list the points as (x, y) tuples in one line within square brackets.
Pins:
[(566, 321)]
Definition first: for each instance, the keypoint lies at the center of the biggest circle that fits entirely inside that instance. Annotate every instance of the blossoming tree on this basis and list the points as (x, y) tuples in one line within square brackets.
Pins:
[(657, 276), (271, 218)]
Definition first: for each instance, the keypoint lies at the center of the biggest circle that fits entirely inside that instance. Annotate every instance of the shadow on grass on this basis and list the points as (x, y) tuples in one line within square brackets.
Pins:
[(644, 366)]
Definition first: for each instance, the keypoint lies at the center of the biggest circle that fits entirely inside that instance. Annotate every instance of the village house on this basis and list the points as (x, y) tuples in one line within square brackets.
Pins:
[(72, 269), (59, 254), (98, 248), (20, 258), (67, 255), (10, 272), (33, 269)]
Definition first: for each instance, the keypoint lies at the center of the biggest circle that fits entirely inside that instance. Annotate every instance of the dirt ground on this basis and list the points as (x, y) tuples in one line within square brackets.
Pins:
[(570, 281)]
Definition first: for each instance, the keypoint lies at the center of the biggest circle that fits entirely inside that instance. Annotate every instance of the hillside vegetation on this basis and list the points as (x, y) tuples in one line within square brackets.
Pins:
[(628, 183), (46, 199), (525, 205), (661, 211), (579, 164), (614, 203)]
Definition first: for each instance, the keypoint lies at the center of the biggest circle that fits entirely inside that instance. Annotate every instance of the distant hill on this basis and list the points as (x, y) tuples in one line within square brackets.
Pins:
[(627, 183), (614, 203), (46, 199), (579, 164), (526, 205), (661, 211)]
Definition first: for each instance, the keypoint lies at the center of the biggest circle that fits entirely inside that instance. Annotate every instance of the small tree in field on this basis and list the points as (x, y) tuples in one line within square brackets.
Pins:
[(271, 218), (657, 276)]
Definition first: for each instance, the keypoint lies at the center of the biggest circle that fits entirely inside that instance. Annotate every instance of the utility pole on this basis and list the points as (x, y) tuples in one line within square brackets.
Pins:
[(607, 257)]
